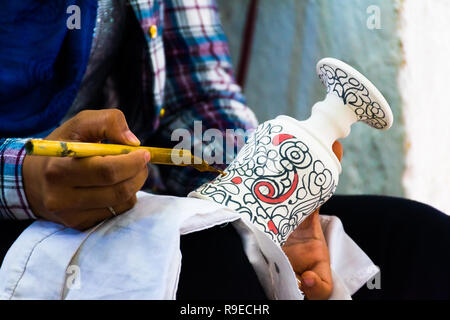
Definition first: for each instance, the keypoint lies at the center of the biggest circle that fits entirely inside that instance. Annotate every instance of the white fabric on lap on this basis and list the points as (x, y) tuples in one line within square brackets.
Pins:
[(137, 255)]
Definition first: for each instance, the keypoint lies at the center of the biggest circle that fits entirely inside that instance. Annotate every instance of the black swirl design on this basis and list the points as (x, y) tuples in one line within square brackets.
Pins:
[(278, 179), (295, 154), (353, 93)]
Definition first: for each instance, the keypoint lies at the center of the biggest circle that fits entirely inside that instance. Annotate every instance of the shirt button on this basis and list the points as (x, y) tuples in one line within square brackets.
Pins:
[(153, 31)]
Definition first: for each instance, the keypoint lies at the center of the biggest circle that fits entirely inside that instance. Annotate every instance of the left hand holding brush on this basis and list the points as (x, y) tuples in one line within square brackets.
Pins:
[(80, 192)]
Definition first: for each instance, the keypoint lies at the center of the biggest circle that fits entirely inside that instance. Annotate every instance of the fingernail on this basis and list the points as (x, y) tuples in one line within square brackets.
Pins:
[(132, 138), (309, 282), (147, 156)]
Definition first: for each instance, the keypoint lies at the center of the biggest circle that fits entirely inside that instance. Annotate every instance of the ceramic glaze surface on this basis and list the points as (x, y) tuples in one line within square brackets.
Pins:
[(287, 169), (276, 180), (356, 92)]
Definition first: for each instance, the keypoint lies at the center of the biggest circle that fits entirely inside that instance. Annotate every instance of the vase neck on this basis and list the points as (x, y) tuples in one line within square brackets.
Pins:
[(330, 120)]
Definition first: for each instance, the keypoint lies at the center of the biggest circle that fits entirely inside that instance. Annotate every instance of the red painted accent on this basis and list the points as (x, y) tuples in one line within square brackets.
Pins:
[(264, 184), (278, 139), (272, 227), (268, 198), (236, 180)]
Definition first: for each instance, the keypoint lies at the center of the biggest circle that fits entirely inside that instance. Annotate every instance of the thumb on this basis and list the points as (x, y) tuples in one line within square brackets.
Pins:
[(338, 149), (314, 287), (98, 125)]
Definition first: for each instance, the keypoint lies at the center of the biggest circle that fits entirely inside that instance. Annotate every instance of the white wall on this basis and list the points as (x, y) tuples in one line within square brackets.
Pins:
[(290, 37), (424, 82), (412, 159)]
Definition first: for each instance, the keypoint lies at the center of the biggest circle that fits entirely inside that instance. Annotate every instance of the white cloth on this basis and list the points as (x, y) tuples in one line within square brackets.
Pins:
[(137, 255)]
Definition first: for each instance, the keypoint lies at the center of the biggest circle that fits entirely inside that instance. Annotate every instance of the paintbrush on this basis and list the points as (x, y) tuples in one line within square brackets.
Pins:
[(165, 156)]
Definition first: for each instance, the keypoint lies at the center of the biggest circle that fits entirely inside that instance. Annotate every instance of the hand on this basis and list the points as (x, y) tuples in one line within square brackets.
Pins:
[(77, 192), (307, 251)]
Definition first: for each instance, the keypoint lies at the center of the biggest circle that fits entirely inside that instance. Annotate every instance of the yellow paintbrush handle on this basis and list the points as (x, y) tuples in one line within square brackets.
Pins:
[(178, 157)]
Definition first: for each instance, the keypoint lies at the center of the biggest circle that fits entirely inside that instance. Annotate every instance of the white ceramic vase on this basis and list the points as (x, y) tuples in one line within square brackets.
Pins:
[(287, 168)]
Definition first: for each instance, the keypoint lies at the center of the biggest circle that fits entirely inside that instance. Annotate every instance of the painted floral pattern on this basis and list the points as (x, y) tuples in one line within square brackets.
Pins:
[(355, 94), (275, 181)]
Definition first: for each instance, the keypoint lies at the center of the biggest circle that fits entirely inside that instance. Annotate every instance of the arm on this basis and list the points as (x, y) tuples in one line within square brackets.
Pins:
[(13, 202), (80, 192), (200, 85)]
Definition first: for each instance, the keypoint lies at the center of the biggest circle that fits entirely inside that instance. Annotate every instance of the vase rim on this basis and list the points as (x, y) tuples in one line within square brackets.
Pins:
[(373, 94)]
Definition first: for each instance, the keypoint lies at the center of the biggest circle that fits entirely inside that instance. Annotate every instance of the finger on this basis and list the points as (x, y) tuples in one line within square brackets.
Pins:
[(338, 149), (307, 254), (315, 287), (89, 218), (96, 171), (96, 197), (98, 125), (309, 229), (310, 221)]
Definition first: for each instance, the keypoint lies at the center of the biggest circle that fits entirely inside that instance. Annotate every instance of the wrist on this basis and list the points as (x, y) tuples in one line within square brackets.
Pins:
[(14, 201), (30, 168)]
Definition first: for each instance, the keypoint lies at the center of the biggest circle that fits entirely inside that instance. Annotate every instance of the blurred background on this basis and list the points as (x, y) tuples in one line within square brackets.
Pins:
[(402, 46)]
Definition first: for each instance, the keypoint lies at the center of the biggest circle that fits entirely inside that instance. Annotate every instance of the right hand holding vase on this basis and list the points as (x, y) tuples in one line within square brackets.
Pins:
[(307, 251)]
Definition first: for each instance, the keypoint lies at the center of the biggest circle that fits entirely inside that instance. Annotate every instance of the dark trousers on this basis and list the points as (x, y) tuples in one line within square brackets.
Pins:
[(409, 241)]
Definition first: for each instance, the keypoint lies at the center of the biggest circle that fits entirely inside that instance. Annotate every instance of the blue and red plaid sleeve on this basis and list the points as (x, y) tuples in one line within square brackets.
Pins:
[(13, 202), (199, 86), (199, 83)]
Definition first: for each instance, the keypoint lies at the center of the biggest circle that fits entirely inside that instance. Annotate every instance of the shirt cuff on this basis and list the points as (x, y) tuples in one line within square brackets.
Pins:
[(351, 266), (13, 201)]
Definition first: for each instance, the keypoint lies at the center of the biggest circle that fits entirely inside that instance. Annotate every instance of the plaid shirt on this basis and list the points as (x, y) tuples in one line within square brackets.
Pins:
[(191, 79)]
